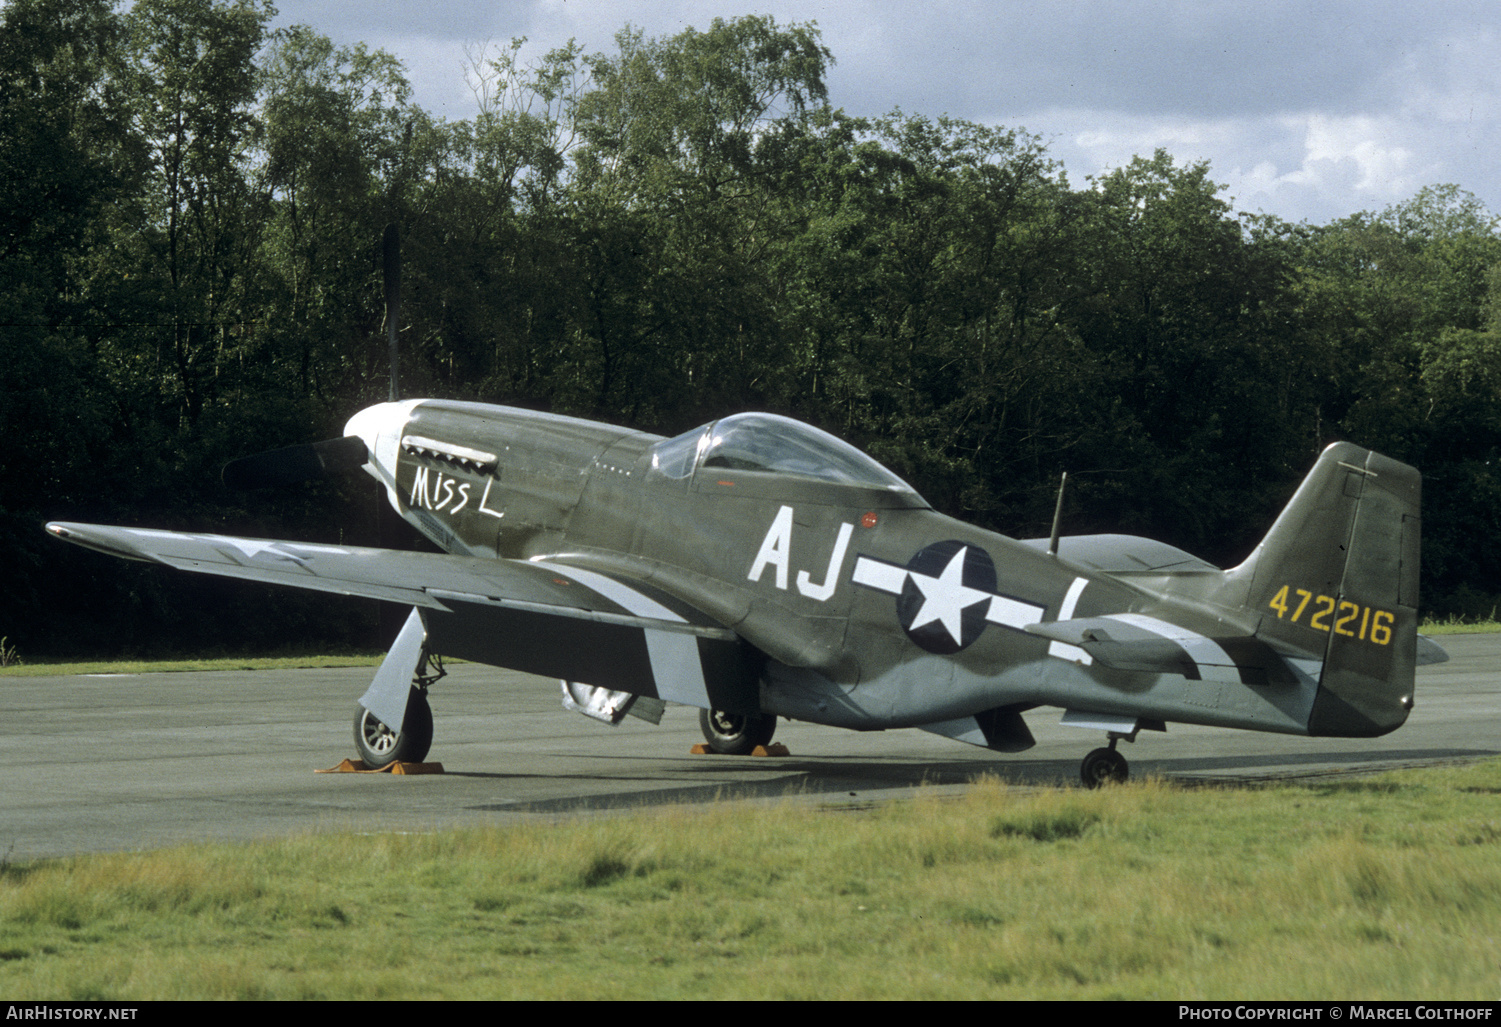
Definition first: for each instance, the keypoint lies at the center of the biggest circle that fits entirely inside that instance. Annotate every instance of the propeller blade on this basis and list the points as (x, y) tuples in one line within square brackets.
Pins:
[(296, 463), (390, 247)]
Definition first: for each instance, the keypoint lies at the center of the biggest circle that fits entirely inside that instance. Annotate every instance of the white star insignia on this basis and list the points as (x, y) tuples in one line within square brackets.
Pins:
[(250, 548), (946, 597)]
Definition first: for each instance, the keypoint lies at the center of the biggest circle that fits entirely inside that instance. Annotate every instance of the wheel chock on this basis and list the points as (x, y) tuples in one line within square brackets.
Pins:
[(348, 766), (774, 749), (415, 768)]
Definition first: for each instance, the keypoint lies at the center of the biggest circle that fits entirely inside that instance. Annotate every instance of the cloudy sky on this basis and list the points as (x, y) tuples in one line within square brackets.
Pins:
[(1308, 109)]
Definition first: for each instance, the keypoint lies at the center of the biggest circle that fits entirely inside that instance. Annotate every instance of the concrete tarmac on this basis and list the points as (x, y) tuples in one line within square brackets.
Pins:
[(144, 761)]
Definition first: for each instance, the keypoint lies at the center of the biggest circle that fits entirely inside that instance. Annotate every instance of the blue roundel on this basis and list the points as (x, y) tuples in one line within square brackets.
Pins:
[(946, 596)]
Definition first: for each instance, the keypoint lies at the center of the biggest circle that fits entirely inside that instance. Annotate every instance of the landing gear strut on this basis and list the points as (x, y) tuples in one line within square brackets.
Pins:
[(1104, 766), (378, 745)]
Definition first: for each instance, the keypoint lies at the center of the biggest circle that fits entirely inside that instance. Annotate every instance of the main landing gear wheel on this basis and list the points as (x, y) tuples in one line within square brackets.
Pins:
[(1102, 767), (736, 734), (379, 746)]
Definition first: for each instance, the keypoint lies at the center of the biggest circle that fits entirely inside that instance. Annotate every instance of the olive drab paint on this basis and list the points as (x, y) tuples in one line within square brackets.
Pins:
[(761, 568)]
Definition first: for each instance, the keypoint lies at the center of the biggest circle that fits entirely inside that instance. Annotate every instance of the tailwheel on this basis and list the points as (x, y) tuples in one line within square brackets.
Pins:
[(736, 734), (379, 746), (1104, 766)]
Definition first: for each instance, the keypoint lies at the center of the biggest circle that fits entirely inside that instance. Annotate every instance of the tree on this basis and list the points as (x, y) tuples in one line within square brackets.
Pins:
[(671, 215), (66, 156), (337, 125), (185, 253), (1188, 307)]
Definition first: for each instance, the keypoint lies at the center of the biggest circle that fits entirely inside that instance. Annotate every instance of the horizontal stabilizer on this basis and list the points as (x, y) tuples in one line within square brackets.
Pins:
[(1430, 652), (1143, 644), (1125, 554)]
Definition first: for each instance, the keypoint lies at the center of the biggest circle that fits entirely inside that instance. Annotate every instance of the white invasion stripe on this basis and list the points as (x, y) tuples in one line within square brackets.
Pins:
[(1071, 600), (676, 668), (883, 576), (886, 577), (675, 665), (1214, 663), (1013, 613), (1063, 650), (623, 595)]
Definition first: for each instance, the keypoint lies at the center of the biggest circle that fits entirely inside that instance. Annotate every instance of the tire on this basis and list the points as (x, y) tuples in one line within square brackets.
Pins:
[(379, 747), (1104, 767), (736, 734)]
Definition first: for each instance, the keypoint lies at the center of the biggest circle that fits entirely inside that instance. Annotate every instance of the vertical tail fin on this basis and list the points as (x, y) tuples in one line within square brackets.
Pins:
[(1337, 578)]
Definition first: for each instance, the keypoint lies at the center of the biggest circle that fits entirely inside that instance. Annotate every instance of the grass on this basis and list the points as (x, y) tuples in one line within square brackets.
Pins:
[(1382, 888), (1459, 626)]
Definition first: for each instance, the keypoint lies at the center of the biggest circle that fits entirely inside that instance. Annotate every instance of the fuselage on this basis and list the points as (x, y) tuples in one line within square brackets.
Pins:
[(871, 609)]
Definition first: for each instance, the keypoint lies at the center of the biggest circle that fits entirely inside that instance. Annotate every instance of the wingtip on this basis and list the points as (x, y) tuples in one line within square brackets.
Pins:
[(98, 537)]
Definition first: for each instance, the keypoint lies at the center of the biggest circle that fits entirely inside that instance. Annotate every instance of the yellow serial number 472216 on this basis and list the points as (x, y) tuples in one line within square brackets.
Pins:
[(1340, 616)]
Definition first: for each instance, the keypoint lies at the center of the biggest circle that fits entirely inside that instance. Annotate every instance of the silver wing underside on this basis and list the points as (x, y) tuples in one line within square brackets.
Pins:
[(539, 616)]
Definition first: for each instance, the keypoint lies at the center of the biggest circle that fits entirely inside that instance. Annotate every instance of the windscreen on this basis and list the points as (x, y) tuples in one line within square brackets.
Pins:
[(780, 445)]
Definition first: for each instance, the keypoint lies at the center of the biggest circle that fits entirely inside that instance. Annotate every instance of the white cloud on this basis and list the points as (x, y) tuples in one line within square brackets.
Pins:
[(1309, 110), (1386, 168)]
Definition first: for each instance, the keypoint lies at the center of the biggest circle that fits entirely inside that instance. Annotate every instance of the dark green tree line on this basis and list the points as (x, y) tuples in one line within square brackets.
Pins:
[(658, 234)]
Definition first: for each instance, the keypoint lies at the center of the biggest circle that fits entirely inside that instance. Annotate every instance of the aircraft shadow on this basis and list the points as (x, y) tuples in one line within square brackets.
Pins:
[(857, 781), (1305, 764)]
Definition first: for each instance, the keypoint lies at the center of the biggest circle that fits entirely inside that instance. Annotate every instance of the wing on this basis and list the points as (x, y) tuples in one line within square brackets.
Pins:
[(538, 616)]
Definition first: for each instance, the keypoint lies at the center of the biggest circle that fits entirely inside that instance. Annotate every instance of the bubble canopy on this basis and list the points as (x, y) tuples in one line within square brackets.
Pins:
[(771, 444)]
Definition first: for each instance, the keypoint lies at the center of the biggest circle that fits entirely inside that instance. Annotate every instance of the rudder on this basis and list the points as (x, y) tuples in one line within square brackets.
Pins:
[(1337, 578)]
